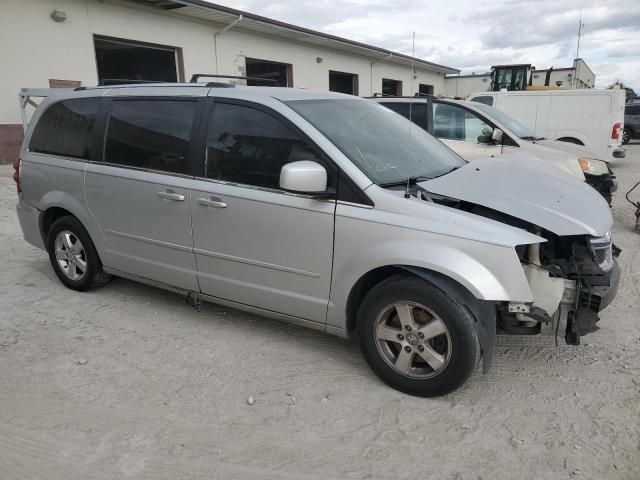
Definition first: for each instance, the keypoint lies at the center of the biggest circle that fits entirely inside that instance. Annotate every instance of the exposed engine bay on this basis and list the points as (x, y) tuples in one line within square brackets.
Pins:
[(572, 278)]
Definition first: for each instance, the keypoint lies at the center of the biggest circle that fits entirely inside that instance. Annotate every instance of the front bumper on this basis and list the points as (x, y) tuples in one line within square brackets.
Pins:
[(598, 297)]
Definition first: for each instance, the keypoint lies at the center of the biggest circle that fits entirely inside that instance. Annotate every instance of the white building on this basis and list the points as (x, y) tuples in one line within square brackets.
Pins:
[(578, 76), (79, 42)]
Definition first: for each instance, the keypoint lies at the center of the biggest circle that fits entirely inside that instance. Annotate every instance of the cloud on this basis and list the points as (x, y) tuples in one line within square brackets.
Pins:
[(472, 35)]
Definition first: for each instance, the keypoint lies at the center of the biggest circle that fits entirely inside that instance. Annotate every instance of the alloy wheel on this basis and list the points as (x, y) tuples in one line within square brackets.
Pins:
[(412, 339), (71, 255)]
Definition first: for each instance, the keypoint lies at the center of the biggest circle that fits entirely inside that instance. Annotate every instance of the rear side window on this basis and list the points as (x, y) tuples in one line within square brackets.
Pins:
[(416, 112), (66, 128), (486, 99), (249, 146), (150, 134)]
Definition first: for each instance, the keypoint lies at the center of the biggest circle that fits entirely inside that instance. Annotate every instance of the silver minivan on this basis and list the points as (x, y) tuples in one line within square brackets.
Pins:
[(317, 208)]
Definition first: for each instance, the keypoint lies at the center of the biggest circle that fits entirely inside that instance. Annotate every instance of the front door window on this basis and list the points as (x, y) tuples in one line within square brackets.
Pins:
[(451, 122)]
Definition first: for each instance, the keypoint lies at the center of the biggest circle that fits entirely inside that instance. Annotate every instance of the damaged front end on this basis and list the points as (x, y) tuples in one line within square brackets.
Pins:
[(605, 184), (572, 279), (573, 275)]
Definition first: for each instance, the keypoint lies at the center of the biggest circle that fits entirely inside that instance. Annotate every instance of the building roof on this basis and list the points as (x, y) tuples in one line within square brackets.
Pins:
[(222, 15), (470, 75)]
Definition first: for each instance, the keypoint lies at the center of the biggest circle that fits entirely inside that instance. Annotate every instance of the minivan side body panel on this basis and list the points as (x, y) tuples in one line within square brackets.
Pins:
[(155, 243)]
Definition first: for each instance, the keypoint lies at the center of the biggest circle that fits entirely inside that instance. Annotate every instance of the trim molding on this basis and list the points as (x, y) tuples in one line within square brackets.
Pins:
[(148, 240), (256, 263)]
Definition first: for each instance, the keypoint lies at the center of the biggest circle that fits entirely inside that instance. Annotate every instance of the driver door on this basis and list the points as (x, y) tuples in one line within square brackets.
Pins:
[(459, 129), (256, 244)]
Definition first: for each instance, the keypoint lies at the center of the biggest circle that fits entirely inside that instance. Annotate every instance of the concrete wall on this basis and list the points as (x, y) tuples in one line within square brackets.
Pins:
[(236, 44), (466, 85), (36, 49), (578, 76)]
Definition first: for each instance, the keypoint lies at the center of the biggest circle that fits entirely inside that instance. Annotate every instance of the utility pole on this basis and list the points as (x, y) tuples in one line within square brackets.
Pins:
[(575, 63)]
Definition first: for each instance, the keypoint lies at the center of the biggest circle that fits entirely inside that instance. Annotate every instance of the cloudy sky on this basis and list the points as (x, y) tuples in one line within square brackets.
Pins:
[(473, 35)]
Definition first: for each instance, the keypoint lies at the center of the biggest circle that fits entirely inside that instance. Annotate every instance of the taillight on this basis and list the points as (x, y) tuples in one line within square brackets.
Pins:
[(16, 174), (615, 132)]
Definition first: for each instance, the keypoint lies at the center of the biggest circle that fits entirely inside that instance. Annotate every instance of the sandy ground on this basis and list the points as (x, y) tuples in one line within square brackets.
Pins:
[(129, 382)]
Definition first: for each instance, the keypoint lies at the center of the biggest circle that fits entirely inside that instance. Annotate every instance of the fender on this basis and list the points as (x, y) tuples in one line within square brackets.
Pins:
[(68, 202), (484, 312), (488, 272)]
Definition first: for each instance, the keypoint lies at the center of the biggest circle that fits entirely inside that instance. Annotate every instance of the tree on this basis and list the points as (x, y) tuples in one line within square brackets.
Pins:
[(630, 92)]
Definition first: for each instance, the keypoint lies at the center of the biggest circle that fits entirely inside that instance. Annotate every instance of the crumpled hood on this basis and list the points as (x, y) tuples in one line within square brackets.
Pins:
[(526, 188)]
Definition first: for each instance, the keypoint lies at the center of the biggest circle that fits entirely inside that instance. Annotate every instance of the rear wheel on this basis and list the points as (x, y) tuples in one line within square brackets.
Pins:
[(73, 255), (626, 136), (416, 338)]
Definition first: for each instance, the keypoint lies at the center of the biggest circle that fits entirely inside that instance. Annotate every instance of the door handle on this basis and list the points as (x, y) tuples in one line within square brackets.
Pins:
[(212, 202), (171, 195)]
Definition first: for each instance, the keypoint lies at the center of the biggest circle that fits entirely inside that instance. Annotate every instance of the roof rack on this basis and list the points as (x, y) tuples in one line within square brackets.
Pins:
[(265, 81), (26, 97), (105, 82)]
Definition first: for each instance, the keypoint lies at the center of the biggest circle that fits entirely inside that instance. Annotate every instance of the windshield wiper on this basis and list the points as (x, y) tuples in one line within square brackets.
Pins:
[(408, 181)]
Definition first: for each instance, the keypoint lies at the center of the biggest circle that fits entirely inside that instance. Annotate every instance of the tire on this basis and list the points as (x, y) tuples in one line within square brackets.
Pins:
[(626, 136), (73, 255), (431, 310)]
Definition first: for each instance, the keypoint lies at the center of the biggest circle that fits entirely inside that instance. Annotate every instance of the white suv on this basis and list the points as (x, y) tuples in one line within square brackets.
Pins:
[(475, 130), (316, 208)]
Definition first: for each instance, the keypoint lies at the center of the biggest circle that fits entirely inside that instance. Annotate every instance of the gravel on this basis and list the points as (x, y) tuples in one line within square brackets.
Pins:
[(128, 381)]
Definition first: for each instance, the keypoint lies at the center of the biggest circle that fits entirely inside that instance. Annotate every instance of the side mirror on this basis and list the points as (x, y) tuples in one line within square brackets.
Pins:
[(304, 176), (486, 135), (496, 136)]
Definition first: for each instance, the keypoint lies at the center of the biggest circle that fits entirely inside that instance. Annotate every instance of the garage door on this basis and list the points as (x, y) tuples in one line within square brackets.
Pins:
[(122, 59)]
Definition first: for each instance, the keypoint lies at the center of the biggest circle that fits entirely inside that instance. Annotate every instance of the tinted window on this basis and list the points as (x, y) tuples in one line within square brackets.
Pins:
[(487, 100), (249, 146), (416, 112), (451, 122), (66, 127), (151, 134)]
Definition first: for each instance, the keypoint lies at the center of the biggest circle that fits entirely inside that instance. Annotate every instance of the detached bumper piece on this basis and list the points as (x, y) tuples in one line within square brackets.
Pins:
[(605, 185), (596, 290)]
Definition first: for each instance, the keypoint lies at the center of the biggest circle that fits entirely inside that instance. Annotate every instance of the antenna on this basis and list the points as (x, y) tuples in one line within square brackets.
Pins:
[(580, 27), (413, 59)]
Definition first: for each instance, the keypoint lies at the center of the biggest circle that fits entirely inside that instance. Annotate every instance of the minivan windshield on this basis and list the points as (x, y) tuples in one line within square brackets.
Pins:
[(387, 147), (511, 123)]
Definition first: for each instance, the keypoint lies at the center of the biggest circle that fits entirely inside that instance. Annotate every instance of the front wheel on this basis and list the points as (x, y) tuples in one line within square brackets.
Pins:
[(626, 136), (416, 338)]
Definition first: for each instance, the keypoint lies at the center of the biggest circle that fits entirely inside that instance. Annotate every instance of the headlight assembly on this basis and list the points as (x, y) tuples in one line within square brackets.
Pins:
[(593, 166)]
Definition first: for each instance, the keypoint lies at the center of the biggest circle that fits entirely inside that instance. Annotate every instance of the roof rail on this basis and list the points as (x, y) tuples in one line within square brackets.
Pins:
[(266, 81), (105, 82)]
